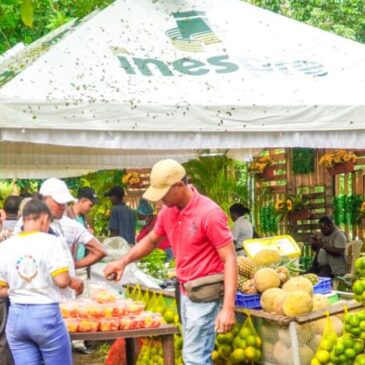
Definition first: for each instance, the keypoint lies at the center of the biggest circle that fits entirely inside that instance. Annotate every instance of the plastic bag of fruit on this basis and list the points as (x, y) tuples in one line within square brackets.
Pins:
[(326, 345), (101, 292), (354, 324), (346, 349), (241, 345)]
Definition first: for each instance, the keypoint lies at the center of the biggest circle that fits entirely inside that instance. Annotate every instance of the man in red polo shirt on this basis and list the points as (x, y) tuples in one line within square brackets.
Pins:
[(202, 243)]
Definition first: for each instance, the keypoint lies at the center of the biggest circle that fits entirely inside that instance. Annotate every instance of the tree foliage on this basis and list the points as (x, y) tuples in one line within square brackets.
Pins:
[(343, 17), (47, 15)]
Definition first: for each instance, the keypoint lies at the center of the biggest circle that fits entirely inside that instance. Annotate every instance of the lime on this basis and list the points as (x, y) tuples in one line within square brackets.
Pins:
[(245, 332), (258, 355), (354, 320), (229, 338), (258, 342), (239, 343), (350, 354), (250, 353), (347, 327), (357, 288), (347, 316), (358, 347), (323, 356), (356, 331), (362, 325), (334, 358), (236, 329), (339, 349), (251, 340), (362, 336), (224, 350), (361, 315), (342, 358), (221, 338), (360, 360), (348, 342)]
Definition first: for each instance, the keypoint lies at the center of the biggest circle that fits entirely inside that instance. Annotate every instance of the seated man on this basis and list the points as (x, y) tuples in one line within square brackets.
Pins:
[(330, 250)]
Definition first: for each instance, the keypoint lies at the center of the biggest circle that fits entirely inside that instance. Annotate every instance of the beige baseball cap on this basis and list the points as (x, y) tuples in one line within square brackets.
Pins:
[(164, 174)]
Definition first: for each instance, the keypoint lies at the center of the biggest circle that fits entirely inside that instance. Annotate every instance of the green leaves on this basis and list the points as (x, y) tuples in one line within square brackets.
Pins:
[(27, 13)]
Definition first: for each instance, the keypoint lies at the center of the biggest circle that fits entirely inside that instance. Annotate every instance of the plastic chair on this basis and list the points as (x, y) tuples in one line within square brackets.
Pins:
[(352, 253)]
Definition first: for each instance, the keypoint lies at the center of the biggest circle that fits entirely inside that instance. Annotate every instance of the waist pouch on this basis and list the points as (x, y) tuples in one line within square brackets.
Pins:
[(206, 289)]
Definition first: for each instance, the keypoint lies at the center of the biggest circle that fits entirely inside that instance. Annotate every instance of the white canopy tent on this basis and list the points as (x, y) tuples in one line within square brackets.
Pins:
[(143, 80)]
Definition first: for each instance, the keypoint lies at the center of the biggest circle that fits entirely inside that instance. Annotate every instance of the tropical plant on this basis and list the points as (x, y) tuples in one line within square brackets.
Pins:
[(220, 178)]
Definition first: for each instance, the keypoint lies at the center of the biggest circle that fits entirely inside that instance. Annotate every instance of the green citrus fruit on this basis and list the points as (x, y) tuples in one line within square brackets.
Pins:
[(350, 354)]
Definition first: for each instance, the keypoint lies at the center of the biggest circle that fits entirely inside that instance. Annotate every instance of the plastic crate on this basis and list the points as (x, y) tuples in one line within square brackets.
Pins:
[(250, 301), (323, 286)]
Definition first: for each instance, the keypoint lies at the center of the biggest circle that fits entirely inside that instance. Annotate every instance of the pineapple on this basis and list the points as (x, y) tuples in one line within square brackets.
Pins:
[(246, 267), (313, 278), (240, 283)]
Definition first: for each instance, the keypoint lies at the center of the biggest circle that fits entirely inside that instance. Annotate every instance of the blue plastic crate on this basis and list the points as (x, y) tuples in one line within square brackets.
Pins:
[(250, 301), (323, 286)]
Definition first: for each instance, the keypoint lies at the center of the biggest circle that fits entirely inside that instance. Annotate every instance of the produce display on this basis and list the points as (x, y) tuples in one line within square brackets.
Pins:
[(120, 314), (276, 280)]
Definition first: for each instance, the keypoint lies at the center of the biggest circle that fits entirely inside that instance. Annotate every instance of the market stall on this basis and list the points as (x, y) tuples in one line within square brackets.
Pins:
[(144, 86)]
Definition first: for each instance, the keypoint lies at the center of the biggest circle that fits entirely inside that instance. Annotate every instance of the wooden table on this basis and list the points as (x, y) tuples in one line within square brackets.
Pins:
[(166, 332)]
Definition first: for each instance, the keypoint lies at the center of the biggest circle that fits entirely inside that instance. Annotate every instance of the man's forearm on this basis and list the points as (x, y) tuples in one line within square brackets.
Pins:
[(335, 251), (95, 253), (230, 282)]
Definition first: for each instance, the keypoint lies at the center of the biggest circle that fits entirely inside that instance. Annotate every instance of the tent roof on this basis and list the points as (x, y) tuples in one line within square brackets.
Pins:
[(179, 76)]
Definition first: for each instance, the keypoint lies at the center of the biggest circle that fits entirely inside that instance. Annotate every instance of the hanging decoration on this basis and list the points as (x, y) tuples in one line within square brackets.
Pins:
[(302, 161)]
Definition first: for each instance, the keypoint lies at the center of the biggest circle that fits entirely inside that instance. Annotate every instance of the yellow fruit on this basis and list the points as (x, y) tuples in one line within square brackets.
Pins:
[(323, 356), (238, 355), (169, 316), (214, 355), (320, 302), (250, 353), (297, 303), (266, 257), (272, 300), (298, 284), (266, 278)]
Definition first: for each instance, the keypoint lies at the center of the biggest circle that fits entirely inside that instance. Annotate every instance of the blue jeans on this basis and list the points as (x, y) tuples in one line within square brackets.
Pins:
[(198, 321), (36, 333)]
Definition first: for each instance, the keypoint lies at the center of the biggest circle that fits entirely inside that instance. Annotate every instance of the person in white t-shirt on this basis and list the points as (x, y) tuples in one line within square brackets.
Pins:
[(33, 267), (242, 229)]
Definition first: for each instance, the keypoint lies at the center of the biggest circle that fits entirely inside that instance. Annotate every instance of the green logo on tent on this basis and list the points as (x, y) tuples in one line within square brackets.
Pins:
[(192, 32)]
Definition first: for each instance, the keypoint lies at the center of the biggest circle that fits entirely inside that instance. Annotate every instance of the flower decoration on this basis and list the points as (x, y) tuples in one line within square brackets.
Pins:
[(259, 164), (132, 178), (290, 204), (334, 158)]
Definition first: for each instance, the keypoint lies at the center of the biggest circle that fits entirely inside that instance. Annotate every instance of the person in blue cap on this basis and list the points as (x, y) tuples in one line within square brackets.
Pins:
[(147, 219)]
